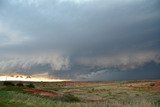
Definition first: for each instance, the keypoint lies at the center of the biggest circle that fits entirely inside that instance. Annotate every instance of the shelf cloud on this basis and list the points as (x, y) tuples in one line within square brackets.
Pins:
[(122, 61), (55, 61)]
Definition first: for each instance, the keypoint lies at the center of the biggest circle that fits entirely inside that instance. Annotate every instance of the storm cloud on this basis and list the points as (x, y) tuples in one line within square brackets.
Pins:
[(56, 62), (122, 61), (78, 37)]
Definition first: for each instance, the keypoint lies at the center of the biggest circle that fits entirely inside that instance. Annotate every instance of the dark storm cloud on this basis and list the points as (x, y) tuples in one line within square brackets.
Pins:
[(78, 29)]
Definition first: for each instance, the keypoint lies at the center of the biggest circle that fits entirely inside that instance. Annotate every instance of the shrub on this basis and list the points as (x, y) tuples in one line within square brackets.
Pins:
[(68, 98), (152, 84), (30, 85), (20, 84), (8, 83), (109, 93)]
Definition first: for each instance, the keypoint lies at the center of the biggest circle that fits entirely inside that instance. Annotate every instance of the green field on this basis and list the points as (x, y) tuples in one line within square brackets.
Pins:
[(81, 94)]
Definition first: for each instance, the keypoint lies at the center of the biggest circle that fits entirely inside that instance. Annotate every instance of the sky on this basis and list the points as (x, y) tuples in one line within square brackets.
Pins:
[(83, 40)]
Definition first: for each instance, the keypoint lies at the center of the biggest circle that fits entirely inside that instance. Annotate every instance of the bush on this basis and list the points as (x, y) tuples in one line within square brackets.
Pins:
[(20, 84), (31, 85), (152, 84), (8, 83), (68, 98)]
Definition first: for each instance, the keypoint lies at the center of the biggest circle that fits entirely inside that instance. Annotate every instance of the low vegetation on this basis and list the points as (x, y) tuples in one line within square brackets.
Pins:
[(20, 84), (8, 83), (80, 94), (67, 98), (30, 85)]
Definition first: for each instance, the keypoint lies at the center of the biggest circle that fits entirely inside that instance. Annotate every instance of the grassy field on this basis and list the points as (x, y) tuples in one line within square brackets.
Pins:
[(80, 94)]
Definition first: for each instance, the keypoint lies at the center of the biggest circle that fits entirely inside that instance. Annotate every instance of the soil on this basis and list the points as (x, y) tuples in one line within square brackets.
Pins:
[(42, 93)]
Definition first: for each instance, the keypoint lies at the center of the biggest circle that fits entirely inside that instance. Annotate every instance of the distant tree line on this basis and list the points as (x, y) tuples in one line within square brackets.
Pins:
[(20, 84)]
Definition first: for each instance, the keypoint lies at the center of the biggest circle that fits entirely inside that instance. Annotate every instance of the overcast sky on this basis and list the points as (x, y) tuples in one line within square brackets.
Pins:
[(81, 39)]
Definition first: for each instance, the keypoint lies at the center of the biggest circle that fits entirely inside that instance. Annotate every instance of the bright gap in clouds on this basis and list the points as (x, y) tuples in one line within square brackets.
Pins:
[(36, 77)]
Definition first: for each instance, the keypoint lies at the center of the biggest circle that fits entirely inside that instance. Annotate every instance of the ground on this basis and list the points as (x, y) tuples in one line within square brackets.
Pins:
[(82, 94)]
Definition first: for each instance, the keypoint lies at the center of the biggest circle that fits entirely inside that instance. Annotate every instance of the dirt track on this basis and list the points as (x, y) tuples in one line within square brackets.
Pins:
[(42, 93)]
